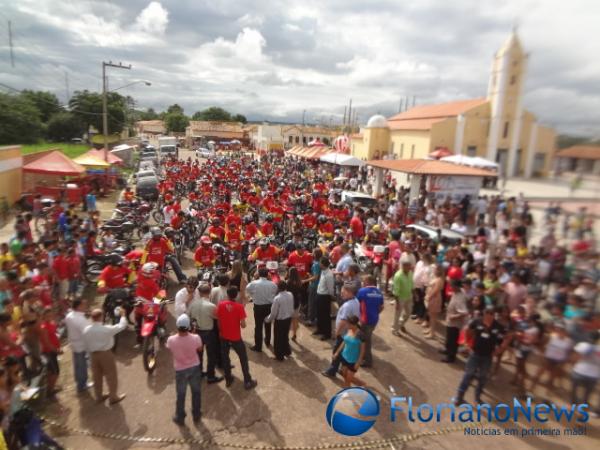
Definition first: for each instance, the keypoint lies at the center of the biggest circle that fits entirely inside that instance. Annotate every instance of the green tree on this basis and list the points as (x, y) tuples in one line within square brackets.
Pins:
[(149, 114), (88, 107), (213, 113), (19, 120), (46, 102), (176, 122), (239, 118), (64, 126), (175, 108)]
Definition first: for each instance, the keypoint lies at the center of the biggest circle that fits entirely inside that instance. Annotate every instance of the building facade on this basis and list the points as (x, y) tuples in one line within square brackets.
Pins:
[(496, 127)]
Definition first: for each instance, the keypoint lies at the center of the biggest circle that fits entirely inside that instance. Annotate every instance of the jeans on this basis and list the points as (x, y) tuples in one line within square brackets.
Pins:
[(335, 362), (192, 377), (240, 349), (452, 334), (260, 314), (367, 331), (418, 308), (477, 366), (176, 267), (80, 370), (210, 339), (588, 384)]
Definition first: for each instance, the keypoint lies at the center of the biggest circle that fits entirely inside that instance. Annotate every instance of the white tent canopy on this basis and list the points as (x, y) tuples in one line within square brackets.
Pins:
[(471, 161), (341, 159)]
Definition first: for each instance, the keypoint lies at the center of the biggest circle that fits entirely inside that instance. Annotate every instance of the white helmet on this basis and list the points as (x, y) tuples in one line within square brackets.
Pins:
[(149, 268)]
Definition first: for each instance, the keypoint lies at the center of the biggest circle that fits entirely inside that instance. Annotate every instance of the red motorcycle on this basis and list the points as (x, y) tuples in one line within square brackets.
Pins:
[(152, 330), (370, 259), (273, 267)]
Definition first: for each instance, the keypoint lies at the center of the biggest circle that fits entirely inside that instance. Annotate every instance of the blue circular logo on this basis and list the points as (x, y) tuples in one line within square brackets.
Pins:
[(352, 411)]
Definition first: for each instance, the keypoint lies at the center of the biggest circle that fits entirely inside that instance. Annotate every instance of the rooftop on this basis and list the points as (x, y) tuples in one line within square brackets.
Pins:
[(429, 167), (580, 152), (440, 110)]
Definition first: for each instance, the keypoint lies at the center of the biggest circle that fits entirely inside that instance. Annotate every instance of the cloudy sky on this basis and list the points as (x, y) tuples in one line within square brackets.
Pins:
[(273, 59)]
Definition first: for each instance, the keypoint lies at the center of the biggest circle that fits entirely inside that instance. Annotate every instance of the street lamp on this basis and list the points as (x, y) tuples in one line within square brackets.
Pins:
[(146, 82)]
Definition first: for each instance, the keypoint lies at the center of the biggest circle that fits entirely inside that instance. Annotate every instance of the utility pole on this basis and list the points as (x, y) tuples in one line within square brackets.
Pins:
[(10, 44), (104, 101), (344, 120), (406, 103), (414, 100), (400, 107)]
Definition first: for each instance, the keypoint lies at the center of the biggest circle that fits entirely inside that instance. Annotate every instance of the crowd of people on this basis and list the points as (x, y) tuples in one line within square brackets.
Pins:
[(498, 294)]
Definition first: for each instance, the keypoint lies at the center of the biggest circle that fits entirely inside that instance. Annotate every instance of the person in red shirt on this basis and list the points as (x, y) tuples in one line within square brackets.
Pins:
[(301, 260), (325, 227), (233, 219), (357, 226), (61, 269), (336, 252), (233, 237), (177, 220), (147, 289), (113, 276), (265, 251), (215, 231), (128, 195), (160, 249), (50, 347), (277, 212), (394, 252), (205, 256), (267, 228), (231, 317), (250, 229), (42, 281), (310, 220)]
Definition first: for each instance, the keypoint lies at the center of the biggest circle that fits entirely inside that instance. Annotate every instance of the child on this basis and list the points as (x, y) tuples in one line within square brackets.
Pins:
[(351, 353)]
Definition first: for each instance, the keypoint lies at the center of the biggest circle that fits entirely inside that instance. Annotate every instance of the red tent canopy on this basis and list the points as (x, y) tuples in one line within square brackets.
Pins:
[(112, 158), (440, 152), (55, 163)]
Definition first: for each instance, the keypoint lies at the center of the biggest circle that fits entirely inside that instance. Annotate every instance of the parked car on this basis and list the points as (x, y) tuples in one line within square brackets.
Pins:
[(353, 198), (146, 173), (425, 231), (147, 188), (204, 153)]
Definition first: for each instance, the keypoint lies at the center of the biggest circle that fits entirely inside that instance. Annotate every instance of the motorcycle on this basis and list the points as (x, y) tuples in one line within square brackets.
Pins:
[(152, 330), (370, 258), (273, 267), (120, 297)]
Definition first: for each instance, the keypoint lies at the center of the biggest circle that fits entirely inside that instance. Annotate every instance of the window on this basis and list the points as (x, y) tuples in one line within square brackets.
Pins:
[(291, 139), (513, 79), (412, 152), (505, 133), (472, 150), (297, 139), (401, 150), (392, 149), (304, 139)]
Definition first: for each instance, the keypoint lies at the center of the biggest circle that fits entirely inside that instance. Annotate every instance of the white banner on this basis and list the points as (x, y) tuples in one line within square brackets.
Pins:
[(454, 186)]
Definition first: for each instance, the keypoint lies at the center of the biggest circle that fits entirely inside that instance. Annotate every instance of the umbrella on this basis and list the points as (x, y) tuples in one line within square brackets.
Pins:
[(91, 161), (440, 152)]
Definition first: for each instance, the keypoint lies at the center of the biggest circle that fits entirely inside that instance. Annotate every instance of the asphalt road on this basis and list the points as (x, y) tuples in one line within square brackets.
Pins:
[(288, 406)]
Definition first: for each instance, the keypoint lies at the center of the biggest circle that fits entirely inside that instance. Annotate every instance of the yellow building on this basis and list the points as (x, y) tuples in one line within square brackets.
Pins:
[(495, 127)]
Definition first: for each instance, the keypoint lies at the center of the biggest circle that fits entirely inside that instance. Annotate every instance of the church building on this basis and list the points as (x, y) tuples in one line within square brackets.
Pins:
[(496, 127)]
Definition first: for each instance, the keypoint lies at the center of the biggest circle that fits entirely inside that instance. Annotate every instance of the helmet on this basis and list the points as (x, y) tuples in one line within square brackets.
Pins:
[(169, 231), (114, 259), (265, 242), (322, 219), (215, 221), (156, 232), (376, 228), (205, 240), (149, 268), (269, 218), (395, 234)]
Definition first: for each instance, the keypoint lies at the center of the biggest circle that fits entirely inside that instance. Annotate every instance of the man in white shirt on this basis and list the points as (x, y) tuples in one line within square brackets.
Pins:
[(99, 340), (76, 322), (325, 293), (184, 296)]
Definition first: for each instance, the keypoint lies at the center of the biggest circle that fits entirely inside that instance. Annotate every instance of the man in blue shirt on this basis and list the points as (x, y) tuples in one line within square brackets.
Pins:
[(371, 303)]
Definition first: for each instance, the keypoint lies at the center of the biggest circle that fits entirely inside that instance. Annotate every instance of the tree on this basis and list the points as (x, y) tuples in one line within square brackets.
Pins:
[(19, 120), (176, 122), (88, 107), (46, 102), (214, 113), (149, 114), (175, 108), (64, 126), (239, 118)]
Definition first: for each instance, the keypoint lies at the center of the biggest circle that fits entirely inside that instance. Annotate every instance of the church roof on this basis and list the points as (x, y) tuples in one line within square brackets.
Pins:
[(423, 117), (580, 152)]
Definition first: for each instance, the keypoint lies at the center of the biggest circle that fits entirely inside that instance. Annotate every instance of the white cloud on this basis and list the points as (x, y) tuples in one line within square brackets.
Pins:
[(153, 19)]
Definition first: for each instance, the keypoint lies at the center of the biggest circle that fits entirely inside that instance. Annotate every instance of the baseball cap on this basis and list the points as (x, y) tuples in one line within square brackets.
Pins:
[(183, 321)]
